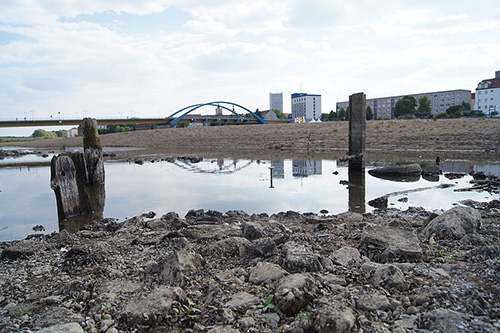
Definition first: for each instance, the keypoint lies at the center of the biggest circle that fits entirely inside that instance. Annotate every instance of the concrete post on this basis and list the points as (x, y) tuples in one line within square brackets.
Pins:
[(357, 129)]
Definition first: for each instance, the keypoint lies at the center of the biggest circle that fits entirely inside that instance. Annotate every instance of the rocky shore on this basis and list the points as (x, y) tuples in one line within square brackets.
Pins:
[(387, 271)]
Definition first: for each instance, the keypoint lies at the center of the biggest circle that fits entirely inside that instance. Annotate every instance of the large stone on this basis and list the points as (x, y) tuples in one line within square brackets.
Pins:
[(152, 307), (252, 230), (63, 328), (454, 223), (210, 231), (373, 302), (264, 247), (265, 272), (176, 265), (300, 258), (334, 317), (294, 292), (229, 247), (346, 256), (242, 301), (389, 277), (444, 320), (385, 244)]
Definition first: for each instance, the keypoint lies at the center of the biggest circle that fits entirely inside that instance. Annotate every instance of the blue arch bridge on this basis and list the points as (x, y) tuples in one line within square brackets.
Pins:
[(238, 115)]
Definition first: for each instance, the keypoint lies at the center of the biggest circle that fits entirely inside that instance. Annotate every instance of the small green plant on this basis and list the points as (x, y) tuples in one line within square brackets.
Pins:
[(62, 147), (22, 313), (335, 130), (106, 307), (304, 315), (267, 303), (188, 311)]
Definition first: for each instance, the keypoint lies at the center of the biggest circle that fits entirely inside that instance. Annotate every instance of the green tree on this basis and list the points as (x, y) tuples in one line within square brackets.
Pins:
[(424, 107), (279, 114), (455, 111), (342, 114), (406, 105), (466, 106), (40, 133), (332, 115), (369, 113)]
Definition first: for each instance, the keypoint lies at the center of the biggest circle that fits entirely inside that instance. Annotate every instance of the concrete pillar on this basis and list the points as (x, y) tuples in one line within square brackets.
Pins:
[(357, 129), (357, 192)]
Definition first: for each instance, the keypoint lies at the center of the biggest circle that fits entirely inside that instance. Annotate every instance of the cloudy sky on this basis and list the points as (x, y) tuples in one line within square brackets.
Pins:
[(152, 57)]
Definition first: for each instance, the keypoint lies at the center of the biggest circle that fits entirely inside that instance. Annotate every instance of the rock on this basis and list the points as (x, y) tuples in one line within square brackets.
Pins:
[(454, 223), (265, 272), (210, 232), (229, 247), (384, 244), (149, 215), (242, 301), (380, 202), (389, 277), (346, 256), (222, 329), (294, 292), (151, 308), (396, 170), (300, 258), (63, 328), (264, 247), (252, 230), (176, 265), (334, 317), (444, 320), (173, 219), (373, 302)]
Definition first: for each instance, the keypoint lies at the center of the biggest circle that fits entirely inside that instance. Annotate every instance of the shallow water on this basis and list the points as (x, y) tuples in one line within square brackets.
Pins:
[(26, 198)]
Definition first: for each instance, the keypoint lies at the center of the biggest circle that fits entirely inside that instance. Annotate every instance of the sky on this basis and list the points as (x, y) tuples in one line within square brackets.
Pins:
[(150, 58)]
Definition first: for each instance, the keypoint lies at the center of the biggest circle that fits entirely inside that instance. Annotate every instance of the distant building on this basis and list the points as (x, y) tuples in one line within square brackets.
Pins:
[(268, 115), (72, 132), (488, 96), (306, 107), (218, 111), (383, 107), (276, 101)]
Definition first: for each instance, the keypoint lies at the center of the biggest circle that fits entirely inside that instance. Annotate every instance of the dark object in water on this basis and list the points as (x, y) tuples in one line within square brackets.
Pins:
[(38, 228)]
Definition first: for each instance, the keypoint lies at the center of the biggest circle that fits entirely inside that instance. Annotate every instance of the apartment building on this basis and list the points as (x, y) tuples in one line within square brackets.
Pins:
[(306, 107), (383, 107), (488, 96), (276, 101)]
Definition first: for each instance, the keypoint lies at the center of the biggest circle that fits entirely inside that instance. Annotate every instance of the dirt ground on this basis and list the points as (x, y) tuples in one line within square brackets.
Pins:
[(423, 137)]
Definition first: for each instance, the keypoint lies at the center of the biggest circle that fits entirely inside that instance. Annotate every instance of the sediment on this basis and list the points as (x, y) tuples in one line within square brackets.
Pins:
[(209, 271)]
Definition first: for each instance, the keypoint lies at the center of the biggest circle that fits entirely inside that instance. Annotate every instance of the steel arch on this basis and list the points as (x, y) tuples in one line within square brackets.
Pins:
[(191, 108)]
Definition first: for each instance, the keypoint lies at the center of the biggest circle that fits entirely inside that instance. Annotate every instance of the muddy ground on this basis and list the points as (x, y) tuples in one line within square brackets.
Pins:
[(446, 137)]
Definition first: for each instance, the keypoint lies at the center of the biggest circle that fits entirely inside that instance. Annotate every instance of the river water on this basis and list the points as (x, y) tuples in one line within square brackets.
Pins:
[(26, 198)]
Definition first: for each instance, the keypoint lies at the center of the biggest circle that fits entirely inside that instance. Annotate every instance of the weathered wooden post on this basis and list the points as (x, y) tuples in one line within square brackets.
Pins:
[(357, 143), (78, 178), (357, 129)]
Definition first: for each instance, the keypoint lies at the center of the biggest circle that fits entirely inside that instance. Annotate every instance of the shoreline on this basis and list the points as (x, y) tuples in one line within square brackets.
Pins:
[(216, 272)]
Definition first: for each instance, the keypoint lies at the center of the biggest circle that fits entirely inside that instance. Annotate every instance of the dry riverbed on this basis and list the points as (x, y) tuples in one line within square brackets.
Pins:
[(390, 270)]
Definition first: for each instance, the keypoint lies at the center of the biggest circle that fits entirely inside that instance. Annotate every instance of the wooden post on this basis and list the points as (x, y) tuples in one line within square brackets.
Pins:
[(78, 178), (357, 129)]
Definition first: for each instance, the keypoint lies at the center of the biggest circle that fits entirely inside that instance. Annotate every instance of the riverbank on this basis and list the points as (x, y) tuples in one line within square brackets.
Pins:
[(232, 272), (442, 136)]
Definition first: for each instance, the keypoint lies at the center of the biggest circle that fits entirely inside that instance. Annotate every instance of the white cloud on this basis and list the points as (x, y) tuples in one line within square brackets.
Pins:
[(73, 55)]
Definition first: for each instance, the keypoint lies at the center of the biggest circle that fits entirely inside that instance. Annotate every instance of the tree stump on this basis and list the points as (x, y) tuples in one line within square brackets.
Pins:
[(78, 178)]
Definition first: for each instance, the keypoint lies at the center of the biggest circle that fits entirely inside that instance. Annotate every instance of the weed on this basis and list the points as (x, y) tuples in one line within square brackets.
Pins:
[(187, 311), (106, 307), (304, 315), (63, 147), (267, 303), (335, 130)]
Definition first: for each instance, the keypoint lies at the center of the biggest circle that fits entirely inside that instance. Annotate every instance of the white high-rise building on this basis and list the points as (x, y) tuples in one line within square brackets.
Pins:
[(306, 107), (276, 102), (488, 96)]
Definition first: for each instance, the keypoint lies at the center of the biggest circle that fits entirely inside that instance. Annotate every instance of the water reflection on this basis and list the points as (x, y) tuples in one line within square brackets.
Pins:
[(306, 168), (357, 190), (26, 199)]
